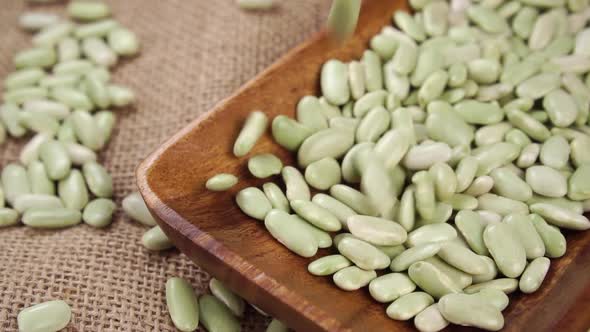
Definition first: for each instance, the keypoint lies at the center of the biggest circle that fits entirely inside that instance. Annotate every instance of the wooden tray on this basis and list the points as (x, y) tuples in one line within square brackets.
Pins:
[(210, 229)]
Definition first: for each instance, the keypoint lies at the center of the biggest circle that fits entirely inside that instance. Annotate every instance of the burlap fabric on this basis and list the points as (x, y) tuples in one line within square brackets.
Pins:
[(195, 52)]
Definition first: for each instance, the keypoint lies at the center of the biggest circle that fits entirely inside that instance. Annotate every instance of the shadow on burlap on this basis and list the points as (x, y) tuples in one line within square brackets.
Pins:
[(194, 53)]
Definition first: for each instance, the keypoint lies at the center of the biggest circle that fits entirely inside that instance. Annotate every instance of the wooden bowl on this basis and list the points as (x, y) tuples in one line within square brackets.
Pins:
[(210, 229)]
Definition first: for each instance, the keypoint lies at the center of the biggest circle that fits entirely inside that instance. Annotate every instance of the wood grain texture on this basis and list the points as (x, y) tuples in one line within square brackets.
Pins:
[(210, 229)]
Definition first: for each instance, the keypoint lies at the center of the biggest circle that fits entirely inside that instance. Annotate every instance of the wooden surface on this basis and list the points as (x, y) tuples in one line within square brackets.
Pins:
[(210, 229)]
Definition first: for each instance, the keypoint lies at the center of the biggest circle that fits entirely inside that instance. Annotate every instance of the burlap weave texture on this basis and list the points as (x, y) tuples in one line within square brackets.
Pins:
[(194, 53)]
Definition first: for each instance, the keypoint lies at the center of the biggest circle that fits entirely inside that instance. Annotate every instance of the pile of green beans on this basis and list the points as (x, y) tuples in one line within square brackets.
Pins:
[(61, 96), (444, 163), (60, 93)]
